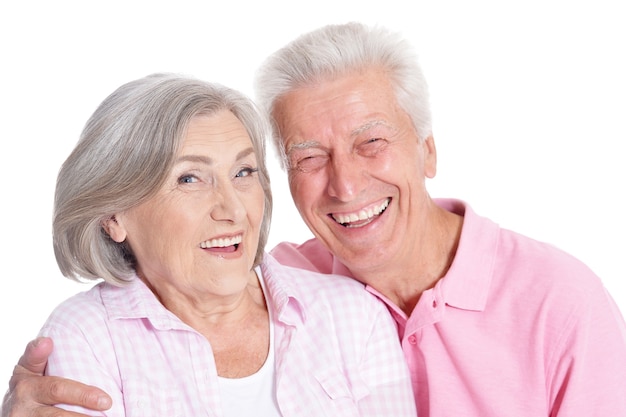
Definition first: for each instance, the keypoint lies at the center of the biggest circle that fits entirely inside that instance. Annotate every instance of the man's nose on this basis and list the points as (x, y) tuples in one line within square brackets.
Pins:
[(346, 177)]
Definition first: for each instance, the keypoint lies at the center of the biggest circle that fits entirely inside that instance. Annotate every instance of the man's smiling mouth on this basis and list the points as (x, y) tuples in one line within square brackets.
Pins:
[(362, 217)]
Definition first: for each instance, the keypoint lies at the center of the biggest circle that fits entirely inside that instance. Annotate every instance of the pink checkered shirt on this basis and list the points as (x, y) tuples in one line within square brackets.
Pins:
[(337, 351)]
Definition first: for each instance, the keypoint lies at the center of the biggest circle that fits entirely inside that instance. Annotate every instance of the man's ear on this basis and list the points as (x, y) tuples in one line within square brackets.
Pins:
[(114, 229)]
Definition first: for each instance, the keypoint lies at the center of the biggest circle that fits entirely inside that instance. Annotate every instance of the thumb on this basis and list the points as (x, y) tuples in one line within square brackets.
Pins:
[(35, 356)]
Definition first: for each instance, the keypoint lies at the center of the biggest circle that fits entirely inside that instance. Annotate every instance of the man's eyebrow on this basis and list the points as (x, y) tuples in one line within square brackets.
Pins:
[(315, 144), (303, 145), (369, 125)]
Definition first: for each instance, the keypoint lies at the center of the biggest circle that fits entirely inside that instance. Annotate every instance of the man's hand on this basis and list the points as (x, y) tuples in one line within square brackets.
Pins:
[(31, 394)]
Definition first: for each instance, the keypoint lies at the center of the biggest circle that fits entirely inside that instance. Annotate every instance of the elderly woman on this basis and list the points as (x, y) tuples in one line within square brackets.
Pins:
[(166, 199)]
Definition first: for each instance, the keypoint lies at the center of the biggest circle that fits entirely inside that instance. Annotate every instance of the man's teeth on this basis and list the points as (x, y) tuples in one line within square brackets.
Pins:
[(221, 242), (365, 214)]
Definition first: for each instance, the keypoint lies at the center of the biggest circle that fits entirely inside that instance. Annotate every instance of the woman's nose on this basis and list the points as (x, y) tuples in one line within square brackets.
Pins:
[(227, 204)]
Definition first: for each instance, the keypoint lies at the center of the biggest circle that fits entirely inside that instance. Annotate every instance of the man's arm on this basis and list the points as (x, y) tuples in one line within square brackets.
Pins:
[(588, 377), (32, 394)]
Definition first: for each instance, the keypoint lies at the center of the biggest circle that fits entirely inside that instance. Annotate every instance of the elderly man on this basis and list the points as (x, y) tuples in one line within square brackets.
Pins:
[(492, 323)]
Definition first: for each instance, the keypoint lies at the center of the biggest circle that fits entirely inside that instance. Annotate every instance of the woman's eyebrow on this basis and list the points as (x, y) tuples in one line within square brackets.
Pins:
[(195, 158), (245, 153), (203, 159)]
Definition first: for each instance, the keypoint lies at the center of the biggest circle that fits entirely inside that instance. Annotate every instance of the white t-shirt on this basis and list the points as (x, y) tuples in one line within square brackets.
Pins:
[(253, 395)]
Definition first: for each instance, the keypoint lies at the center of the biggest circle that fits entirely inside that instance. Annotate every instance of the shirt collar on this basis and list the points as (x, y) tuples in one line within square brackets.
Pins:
[(466, 284), (134, 300), (281, 296)]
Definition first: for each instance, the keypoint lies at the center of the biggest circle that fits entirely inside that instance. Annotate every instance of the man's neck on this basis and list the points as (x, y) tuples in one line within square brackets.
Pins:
[(404, 281)]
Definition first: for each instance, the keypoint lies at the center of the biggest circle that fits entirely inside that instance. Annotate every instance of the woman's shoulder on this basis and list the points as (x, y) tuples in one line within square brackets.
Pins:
[(80, 309)]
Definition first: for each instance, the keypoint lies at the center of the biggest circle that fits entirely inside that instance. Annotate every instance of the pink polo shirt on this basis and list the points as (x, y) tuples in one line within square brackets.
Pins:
[(515, 328), (336, 351)]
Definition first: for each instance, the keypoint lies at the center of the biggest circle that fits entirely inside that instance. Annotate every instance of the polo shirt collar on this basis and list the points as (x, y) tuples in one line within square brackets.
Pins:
[(466, 284)]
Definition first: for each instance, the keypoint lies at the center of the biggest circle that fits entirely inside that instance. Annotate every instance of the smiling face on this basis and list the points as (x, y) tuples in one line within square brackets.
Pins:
[(357, 169), (199, 234)]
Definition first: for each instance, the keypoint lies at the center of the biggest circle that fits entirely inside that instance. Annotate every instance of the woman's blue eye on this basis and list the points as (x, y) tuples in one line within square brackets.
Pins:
[(246, 172), (187, 179)]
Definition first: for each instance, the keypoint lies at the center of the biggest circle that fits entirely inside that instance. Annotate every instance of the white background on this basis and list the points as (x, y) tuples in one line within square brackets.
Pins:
[(529, 103)]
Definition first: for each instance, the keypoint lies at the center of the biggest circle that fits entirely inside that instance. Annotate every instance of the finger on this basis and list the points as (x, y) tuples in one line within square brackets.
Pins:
[(30, 391), (71, 392), (36, 355), (28, 388), (56, 412), (46, 411)]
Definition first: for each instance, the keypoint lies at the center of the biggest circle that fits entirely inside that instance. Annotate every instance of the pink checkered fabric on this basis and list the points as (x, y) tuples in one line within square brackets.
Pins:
[(336, 347)]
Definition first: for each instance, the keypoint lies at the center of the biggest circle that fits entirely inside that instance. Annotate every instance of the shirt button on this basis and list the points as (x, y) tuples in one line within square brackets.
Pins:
[(413, 340)]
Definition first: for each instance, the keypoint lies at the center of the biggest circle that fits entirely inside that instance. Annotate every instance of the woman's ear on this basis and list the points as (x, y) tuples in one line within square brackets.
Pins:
[(430, 157), (114, 229)]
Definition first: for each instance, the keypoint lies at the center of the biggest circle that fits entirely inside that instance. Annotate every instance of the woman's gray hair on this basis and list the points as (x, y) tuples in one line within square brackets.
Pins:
[(331, 52), (124, 156)]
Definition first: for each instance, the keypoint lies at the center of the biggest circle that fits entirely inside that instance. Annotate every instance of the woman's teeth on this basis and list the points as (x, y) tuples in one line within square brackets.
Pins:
[(221, 242)]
